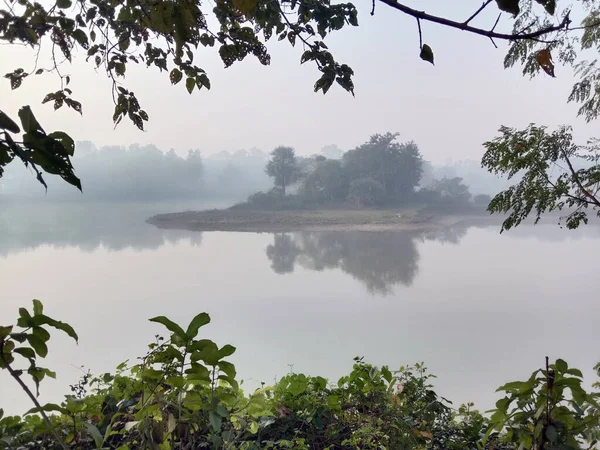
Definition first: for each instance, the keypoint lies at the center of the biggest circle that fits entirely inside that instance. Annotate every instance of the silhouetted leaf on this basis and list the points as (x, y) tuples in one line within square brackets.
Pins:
[(7, 123), (175, 76), (427, 53), (189, 84), (509, 6)]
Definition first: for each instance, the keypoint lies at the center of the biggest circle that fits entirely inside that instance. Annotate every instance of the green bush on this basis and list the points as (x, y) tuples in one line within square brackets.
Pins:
[(184, 394), (366, 192)]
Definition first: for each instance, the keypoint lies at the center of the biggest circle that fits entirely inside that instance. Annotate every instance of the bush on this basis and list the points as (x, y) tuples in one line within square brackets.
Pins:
[(183, 394), (366, 192)]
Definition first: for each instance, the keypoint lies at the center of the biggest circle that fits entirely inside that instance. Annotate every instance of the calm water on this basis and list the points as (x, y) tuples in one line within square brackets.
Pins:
[(479, 308)]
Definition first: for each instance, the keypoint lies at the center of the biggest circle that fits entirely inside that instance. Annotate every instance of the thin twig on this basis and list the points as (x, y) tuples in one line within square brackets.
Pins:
[(587, 193), (420, 33), (481, 8), (373, 8)]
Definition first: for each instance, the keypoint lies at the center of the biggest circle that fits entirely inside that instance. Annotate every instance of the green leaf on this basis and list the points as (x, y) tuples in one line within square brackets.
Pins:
[(25, 352), (427, 53), (199, 321), (6, 123), (171, 326), (48, 407), (41, 333), (189, 84), (95, 433), (80, 36), (222, 411), (575, 372), (175, 76), (61, 326), (5, 331), (65, 140), (387, 375), (38, 345), (63, 4), (227, 368), (561, 365), (25, 320), (551, 433), (509, 6), (215, 420), (226, 351), (38, 308)]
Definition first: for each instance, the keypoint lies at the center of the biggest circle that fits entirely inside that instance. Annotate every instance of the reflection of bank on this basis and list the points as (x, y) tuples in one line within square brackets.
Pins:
[(114, 227)]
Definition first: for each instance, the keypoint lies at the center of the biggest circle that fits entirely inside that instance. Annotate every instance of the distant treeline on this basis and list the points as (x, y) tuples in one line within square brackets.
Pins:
[(146, 173)]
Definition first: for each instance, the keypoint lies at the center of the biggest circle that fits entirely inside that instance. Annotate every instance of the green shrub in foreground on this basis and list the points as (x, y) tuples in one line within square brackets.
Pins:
[(184, 394)]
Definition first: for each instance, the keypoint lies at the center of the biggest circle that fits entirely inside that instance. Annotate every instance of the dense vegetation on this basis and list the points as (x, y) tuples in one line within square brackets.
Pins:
[(381, 172), (184, 394)]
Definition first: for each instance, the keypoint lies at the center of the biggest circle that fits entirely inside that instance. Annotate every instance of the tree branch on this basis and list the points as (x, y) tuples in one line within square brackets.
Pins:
[(481, 8), (587, 193), (464, 26)]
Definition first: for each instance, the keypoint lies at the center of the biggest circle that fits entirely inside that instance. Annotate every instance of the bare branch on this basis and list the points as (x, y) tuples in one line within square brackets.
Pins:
[(481, 8), (422, 15)]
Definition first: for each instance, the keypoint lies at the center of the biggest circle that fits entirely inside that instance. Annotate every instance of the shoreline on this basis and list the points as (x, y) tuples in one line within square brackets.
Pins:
[(263, 221)]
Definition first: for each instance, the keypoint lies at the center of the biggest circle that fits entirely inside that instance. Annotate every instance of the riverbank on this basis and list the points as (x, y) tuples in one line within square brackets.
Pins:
[(394, 219)]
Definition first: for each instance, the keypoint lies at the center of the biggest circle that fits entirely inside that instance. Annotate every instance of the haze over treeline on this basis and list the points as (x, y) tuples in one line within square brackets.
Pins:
[(147, 173)]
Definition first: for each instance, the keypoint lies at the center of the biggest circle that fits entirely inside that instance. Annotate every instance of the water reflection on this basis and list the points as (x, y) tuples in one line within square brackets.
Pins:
[(113, 227), (382, 260)]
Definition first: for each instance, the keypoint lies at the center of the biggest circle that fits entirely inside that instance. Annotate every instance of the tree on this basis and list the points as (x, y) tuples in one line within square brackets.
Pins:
[(556, 174), (396, 167), (366, 192), (327, 183), (452, 190), (283, 167)]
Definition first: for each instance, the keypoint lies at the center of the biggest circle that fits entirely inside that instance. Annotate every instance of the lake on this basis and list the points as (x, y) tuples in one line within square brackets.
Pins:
[(479, 308)]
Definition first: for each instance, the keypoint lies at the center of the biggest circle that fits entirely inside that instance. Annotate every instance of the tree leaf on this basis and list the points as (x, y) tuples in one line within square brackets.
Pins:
[(175, 76), (38, 345), (38, 308), (63, 4), (28, 120), (226, 351), (246, 7), (199, 321), (509, 6), (544, 59), (61, 326), (66, 141), (48, 407), (171, 326), (215, 420), (6, 123), (427, 53), (5, 331), (551, 433), (25, 352), (561, 365), (190, 83), (95, 433)]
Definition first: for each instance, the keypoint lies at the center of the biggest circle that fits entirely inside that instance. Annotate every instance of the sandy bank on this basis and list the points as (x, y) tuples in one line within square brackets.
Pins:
[(311, 220)]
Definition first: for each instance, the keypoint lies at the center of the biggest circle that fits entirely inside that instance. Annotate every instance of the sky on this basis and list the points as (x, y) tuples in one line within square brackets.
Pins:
[(449, 109)]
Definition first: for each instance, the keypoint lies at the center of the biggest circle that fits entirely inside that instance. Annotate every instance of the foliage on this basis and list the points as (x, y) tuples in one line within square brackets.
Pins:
[(397, 167), (184, 394), (283, 167), (164, 35), (452, 190), (366, 192), (555, 172), (326, 183)]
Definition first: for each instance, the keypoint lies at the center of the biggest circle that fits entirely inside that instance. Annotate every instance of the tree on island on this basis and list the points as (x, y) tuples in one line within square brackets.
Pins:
[(283, 167)]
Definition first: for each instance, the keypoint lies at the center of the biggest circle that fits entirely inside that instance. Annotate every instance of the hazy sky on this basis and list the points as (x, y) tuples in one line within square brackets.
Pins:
[(449, 109)]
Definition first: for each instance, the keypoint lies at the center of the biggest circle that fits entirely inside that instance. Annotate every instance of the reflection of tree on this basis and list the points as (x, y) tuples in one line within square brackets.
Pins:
[(282, 253), (379, 259)]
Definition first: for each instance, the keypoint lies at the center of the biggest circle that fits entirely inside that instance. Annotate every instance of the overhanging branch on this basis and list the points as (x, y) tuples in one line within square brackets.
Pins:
[(464, 26)]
